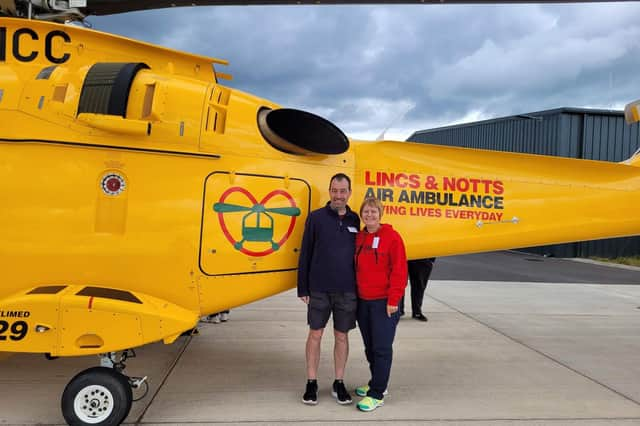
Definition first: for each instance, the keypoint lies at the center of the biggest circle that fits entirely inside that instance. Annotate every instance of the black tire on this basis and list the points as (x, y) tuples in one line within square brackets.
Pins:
[(97, 396)]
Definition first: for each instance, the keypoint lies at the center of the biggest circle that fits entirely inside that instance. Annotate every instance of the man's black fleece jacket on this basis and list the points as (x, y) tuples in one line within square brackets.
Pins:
[(326, 255)]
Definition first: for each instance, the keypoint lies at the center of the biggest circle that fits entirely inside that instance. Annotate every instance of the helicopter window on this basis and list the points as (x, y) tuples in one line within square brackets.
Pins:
[(1, 93), (46, 72), (300, 132)]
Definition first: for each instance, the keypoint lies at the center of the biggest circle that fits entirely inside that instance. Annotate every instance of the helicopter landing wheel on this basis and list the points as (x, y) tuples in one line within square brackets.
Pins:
[(97, 396)]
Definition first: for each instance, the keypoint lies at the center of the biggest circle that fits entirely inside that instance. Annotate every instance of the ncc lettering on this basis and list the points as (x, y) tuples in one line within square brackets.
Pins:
[(27, 34)]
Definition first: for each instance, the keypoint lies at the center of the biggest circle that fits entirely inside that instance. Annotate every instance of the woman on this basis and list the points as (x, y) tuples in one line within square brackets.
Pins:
[(381, 277)]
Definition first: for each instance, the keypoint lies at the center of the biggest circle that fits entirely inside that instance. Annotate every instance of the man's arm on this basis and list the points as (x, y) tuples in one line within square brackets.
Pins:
[(304, 261)]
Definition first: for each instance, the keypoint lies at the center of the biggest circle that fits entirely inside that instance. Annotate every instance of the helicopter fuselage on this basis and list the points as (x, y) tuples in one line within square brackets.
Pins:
[(139, 191)]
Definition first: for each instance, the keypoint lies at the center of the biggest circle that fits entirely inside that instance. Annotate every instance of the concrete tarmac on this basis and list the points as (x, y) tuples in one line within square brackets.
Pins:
[(516, 353)]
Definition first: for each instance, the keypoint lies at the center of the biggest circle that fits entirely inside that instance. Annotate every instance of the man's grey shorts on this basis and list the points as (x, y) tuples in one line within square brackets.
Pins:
[(342, 305)]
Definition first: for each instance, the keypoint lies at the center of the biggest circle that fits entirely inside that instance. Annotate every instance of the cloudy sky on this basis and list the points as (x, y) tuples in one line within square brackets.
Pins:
[(413, 67)]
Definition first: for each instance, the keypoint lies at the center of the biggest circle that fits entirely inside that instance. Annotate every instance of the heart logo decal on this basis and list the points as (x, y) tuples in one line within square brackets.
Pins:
[(257, 220)]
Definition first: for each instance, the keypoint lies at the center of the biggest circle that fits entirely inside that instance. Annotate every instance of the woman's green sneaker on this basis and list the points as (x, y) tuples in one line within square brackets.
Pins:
[(362, 390), (369, 404)]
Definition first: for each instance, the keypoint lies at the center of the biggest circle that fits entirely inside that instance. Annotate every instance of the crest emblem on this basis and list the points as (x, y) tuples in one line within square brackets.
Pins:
[(113, 184)]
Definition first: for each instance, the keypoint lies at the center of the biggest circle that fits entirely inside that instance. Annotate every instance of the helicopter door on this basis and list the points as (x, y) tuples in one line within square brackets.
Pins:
[(252, 223)]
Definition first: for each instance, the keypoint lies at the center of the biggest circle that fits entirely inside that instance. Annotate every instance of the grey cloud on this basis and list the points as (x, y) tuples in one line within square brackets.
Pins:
[(361, 66)]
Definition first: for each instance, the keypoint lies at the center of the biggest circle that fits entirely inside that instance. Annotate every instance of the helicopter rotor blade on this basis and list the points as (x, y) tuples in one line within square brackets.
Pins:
[(287, 211), (110, 7), (229, 208)]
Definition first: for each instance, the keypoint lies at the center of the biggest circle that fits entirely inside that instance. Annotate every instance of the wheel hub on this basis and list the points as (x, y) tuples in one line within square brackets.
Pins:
[(93, 404)]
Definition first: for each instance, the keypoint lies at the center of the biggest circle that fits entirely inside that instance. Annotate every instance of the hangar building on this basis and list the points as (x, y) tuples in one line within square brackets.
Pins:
[(564, 132)]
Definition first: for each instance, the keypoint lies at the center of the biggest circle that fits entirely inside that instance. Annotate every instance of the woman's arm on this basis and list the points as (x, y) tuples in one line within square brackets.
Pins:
[(398, 275)]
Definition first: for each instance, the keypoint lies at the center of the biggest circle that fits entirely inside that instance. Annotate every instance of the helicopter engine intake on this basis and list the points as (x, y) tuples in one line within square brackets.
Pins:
[(300, 132)]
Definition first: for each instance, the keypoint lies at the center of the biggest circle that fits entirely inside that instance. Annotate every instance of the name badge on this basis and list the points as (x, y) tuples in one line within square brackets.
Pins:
[(376, 241), (352, 229)]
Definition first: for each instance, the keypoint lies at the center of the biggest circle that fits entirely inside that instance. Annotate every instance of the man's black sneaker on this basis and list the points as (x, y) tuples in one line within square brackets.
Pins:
[(340, 393), (311, 393), (420, 317)]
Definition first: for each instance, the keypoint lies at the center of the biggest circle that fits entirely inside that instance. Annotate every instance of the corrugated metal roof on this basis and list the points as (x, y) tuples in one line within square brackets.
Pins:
[(529, 115)]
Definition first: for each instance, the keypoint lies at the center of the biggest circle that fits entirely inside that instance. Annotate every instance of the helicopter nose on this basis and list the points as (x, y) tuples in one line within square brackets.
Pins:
[(300, 132)]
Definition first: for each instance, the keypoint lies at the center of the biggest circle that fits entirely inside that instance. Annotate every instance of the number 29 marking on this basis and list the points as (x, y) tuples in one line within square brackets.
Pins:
[(18, 330)]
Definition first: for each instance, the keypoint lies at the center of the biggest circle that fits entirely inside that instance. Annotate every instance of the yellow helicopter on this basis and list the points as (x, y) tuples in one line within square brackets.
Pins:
[(139, 193)]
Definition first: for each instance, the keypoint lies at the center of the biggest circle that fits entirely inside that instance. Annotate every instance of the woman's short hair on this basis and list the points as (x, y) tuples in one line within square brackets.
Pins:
[(374, 202)]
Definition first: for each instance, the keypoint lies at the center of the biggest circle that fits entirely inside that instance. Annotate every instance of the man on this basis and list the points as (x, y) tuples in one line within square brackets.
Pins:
[(326, 283), (419, 272)]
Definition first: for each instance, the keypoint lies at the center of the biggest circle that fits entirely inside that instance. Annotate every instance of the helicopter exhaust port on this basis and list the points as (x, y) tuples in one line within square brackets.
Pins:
[(299, 132)]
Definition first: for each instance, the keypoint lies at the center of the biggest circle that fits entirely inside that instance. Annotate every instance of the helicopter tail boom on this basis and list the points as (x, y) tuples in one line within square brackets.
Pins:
[(447, 200)]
